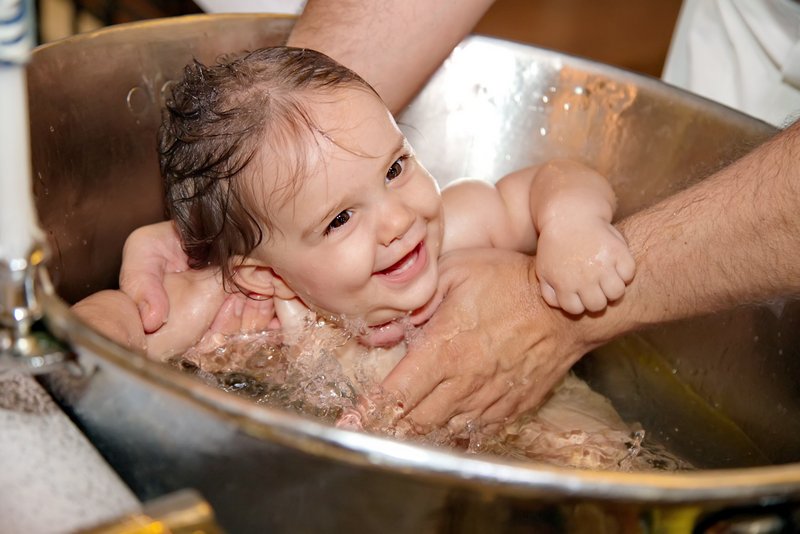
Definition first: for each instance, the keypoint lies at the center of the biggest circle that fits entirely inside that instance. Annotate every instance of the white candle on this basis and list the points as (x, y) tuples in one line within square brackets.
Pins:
[(19, 229)]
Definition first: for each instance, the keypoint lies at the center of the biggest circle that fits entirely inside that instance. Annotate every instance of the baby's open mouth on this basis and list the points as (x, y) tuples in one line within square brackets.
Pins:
[(408, 266)]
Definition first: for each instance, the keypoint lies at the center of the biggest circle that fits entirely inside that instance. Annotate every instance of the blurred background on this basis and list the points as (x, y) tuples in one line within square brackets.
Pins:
[(632, 34)]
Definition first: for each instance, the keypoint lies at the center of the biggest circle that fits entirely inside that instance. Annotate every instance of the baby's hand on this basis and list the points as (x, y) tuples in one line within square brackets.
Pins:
[(582, 264)]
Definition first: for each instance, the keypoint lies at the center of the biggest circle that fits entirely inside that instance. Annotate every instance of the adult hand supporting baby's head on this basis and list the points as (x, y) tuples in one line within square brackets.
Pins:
[(492, 350), (150, 253)]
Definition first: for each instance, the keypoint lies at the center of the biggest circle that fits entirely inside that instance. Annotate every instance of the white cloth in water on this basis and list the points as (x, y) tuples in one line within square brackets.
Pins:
[(742, 53)]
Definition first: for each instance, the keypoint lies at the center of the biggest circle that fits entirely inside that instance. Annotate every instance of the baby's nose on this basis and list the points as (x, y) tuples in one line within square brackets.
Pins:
[(395, 220)]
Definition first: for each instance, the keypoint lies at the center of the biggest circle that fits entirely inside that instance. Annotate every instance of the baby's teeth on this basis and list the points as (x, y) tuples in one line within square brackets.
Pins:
[(405, 266)]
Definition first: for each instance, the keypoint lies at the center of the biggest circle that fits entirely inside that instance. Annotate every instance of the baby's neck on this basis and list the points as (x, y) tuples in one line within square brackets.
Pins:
[(385, 335), (395, 331)]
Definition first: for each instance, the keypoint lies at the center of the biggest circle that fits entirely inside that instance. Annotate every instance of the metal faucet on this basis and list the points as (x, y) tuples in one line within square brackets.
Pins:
[(23, 348)]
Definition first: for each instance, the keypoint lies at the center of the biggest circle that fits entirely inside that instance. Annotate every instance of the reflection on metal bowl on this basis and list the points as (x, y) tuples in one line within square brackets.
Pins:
[(720, 391)]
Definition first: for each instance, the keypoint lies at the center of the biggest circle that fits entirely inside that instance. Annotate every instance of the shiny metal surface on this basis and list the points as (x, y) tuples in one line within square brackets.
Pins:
[(22, 349), (720, 391)]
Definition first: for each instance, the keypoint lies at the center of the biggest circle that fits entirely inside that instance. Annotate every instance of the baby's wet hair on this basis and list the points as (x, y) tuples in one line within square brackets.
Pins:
[(218, 119)]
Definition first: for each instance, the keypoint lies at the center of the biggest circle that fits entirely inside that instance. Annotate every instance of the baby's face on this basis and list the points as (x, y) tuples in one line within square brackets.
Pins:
[(361, 237)]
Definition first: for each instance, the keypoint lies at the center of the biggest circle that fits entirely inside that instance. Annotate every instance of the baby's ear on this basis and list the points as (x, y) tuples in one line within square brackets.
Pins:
[(259, 278)]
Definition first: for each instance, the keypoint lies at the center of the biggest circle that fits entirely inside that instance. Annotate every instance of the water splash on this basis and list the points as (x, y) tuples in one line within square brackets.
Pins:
[(321, 371)]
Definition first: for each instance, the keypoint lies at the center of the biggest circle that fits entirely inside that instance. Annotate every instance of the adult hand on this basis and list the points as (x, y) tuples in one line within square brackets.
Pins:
[(492, 350), (149, 254), (208, 313)]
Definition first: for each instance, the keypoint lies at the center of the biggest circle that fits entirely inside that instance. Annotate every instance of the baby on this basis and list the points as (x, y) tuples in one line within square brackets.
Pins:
[(286, 172), (287, 175)]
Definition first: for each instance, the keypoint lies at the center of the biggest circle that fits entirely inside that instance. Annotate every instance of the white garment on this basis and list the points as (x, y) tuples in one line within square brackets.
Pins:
[(291, 7), (743, 53)]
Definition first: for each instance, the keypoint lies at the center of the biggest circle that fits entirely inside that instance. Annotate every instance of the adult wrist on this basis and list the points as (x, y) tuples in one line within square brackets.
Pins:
[(587, 331)]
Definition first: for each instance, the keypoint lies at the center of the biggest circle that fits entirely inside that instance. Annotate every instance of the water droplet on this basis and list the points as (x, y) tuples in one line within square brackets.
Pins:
[(138, 101), (578, 90), (542, 131), (566, 106), (545, 99)]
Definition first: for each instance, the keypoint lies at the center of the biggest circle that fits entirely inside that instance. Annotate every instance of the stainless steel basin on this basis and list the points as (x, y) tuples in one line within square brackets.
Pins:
[(721, 391)]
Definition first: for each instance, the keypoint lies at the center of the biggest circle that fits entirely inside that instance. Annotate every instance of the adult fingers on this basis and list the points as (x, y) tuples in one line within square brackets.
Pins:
[(257, 314), (147, 291), (149, 253), (475, 343)]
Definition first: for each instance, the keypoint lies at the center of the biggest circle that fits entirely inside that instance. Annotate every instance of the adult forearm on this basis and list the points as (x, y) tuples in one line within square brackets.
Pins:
[(732, 239), (394, 44)]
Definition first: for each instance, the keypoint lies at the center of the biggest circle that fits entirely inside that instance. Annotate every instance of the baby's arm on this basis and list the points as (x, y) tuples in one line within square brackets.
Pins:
[(195, 298), (582, 261), (563, 211), (115, 315)]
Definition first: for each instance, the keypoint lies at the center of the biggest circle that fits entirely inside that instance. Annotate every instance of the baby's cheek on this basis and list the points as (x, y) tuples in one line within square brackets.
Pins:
[(427, 196)]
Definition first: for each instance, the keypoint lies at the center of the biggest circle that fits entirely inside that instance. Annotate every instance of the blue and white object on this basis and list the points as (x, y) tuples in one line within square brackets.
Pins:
[(18, 225)]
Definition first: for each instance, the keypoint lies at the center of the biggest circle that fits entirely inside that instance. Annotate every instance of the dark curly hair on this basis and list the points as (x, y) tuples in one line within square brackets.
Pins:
[(216, 121)]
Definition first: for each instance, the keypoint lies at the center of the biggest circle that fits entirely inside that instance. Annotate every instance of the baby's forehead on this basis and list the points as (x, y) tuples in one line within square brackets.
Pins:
[(284, 165), (343, 123), (322, 129)]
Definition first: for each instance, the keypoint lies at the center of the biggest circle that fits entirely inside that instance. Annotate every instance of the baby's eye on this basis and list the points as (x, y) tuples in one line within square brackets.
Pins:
[(396, 169), (338, 221)]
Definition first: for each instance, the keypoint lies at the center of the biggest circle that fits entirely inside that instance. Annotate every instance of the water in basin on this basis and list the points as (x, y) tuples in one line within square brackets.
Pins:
[(321, 371)]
